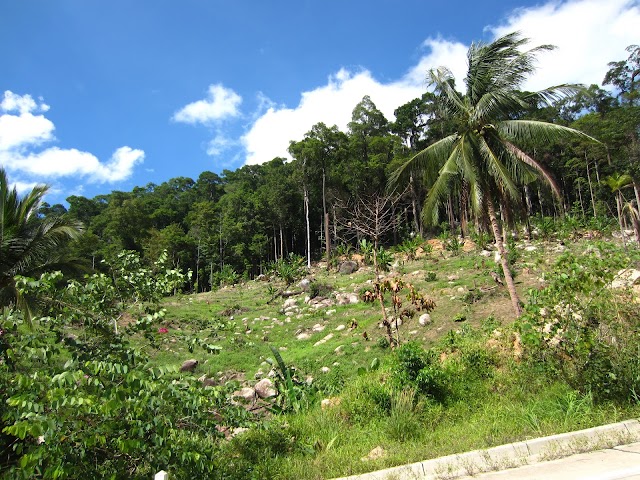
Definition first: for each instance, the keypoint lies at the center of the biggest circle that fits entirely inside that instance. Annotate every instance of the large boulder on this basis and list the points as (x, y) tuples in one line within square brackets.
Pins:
[(265, 388), (189, 365), (246, 394), (348, 267)]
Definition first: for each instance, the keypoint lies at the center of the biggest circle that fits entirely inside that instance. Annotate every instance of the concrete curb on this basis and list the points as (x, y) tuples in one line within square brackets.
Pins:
[(511, 455)]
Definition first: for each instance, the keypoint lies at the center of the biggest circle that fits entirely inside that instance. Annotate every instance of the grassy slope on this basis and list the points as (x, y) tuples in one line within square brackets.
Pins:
[(512, 405)]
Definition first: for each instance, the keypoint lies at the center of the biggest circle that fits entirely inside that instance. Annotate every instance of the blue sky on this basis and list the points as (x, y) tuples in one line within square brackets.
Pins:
[(98, 96)]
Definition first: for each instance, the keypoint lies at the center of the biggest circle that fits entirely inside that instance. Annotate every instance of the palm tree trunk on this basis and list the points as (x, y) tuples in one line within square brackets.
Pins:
[(511, 286)]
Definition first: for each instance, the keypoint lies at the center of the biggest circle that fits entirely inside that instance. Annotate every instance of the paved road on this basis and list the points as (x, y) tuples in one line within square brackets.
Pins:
[(616, 463)]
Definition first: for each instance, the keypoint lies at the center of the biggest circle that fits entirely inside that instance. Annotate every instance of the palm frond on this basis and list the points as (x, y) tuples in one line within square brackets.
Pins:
[(539, 132), (428, 162), (498, 171), (440, 188), (530, 161)]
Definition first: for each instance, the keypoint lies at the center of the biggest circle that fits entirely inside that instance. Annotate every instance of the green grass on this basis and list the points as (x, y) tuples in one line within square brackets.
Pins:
[(502, 403)]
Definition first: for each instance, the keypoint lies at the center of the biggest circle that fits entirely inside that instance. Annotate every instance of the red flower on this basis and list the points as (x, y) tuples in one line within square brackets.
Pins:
[(163, 330)]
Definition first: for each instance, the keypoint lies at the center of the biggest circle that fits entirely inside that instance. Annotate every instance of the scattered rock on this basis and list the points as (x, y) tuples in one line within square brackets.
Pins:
[(485, 253), (339, 328), (265, 389), (324, 340), (289, 302), (246, 394), (425, 319), (339, 349), (318, 328), (347, 298), (189, 365), (374, 454), (330, 402), (626, 278), (303, 336), (325, 369), (348, 267), (305, 284), (331, 312)]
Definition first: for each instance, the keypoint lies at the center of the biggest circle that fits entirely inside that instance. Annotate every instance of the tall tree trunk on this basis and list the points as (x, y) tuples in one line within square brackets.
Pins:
[(281, 241), (327, 237), (580, 194), (593, 201), (619, 209), (511, 286), (306, 216)]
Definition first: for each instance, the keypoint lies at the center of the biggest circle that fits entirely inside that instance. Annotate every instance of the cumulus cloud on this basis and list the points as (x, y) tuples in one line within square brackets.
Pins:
[(55, 162), (588, 34), (22, 133), (270, 134), (25, 128), (221, 103)]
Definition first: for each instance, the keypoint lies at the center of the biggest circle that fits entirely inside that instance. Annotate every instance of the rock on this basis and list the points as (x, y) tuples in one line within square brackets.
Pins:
[(265, 388), (305, 284), (324, 340), (485, 253), (238, 431), (374, 454), (331, 312), (425, 319), (289, 302), (262, 278), (189, 365), (530, 248), (347, 298), (318, 328), (339, 328), (325, 369), (626, 278), (339, 349), (303, 336), (453, 278), (247, 394), (347, 267), (330, 402), (258, 375)]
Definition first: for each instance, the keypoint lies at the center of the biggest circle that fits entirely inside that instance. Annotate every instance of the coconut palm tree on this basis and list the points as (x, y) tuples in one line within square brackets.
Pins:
[(483, 156), (29, 244)]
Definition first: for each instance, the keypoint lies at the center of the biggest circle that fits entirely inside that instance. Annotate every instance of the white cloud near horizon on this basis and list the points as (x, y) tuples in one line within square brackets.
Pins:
[(221, 103), (588, 35), (23, 133)]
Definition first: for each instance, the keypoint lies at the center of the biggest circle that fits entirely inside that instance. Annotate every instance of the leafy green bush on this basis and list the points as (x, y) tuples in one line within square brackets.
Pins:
[(227, 276), (80, 401), (289, 269), (419, 368), (586, 328)]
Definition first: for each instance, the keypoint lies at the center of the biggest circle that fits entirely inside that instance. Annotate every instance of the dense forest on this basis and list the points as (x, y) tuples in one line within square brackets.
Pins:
[(239, 221)]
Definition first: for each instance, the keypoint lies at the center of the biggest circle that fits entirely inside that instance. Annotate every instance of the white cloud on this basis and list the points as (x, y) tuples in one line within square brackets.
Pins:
[(332, 104), (221, 103), (17, 131), (55, 162), (588, 34), (21, 103), (21, 134), (219, 144)]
